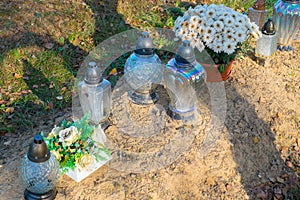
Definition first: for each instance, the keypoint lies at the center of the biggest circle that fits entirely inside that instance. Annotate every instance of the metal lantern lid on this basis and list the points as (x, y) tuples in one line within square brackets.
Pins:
[(38, 150), (292, 1), (259, 5), (185, 53), (93, 75), (145, 45), (269, 28)]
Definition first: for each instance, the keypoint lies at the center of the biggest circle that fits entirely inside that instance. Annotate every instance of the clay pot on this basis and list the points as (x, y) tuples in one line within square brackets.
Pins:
[(213, 74)]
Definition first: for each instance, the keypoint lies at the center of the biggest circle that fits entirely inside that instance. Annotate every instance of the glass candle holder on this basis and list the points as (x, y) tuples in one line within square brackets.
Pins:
[(286, 16), (95, 95), (143, 69), (267, 44), (39, 171), (183, 75), (258, 13)]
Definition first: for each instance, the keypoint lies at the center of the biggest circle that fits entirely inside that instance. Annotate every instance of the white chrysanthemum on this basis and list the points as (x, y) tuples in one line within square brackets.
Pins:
[(211, 12), (210, 31), (227, 31), (229, 21), (228, 37), (217, 47), (200, 9), (254, 31), (181, 32), (199, 21), (210, 45), (218, 37), (185, 24), (240, 36), (226, 14), (234, 14), (186, 37), (189, 12), (222, 18), (218, 26), (192, 26), (193, 35), (201, 31), (240, 20), (200, 46), (228, 47), (207, 38)]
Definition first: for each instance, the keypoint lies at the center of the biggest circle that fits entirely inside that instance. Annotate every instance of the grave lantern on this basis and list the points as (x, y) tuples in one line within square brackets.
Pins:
[(183, 74), (258, 13), (95, 95), (267, 44), (39, 171), (142, 70), (286, 16)]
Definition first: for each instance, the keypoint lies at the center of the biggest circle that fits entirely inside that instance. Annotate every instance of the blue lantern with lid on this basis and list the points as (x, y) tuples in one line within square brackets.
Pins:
[(286, 16)]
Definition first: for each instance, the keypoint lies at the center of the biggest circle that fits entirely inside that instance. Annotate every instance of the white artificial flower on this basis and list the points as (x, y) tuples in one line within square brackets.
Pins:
[(200, 46), (228, 47), (218, 26), (68, 136)]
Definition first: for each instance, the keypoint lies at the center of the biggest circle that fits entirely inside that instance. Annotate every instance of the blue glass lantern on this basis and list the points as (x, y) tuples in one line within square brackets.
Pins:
[(286, 17)]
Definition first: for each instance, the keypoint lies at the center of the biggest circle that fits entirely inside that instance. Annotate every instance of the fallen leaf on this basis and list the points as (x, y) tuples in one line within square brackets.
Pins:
[(9, 110), (16, 75), (63, 89), (113, 71), (255, 139), (279, 115), (43, 84)]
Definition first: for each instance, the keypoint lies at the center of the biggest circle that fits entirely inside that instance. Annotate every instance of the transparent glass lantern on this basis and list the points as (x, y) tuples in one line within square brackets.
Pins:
[(95, 95), (183, 75), (286, 16), (267, 44), (258, 13), (142, 70), (39, 171)]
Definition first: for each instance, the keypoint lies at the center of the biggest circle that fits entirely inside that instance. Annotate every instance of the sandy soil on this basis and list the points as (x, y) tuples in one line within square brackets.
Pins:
[(255, 156)]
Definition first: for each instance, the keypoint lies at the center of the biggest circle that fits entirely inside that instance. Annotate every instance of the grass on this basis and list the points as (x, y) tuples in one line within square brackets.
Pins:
[(44, 43)]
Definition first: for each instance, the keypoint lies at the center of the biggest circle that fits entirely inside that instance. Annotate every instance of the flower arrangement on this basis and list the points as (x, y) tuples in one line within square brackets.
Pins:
[(217, 29), (76, 145)]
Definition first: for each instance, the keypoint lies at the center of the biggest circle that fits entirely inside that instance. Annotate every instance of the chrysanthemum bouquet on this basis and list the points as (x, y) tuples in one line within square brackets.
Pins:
[(217, 29), (76, 145)]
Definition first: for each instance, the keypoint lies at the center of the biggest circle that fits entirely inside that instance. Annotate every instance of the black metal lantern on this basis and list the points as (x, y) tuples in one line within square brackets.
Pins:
[(39, 171)]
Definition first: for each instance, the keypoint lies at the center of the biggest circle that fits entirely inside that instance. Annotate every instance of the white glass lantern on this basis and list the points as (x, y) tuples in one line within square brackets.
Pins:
[(39, 171), (286, 16), (95, 95), (142, 70), (267, 44), (183, 75)]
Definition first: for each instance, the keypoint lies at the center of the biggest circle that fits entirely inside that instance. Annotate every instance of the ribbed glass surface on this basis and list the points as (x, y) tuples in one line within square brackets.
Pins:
[(266, 45), (142, 71), (39, 178)]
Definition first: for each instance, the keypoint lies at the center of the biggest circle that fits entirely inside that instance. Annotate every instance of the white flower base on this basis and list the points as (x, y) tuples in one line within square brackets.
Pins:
[(79, 174)]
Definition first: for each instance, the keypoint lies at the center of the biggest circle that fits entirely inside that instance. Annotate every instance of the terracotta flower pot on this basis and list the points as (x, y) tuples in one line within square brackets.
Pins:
[(213, 74)]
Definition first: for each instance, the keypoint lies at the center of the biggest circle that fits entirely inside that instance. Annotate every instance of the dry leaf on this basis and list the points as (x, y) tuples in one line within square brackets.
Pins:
[(9, 110), (255, 139), (18, 75), (51, 105), (113, 71)]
